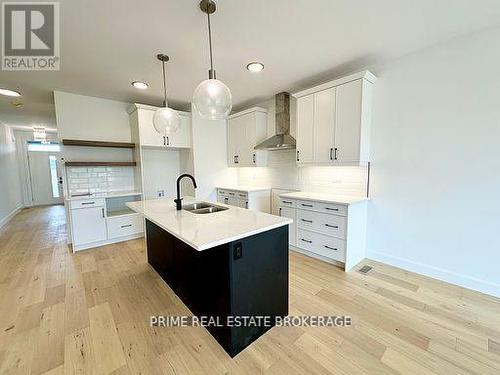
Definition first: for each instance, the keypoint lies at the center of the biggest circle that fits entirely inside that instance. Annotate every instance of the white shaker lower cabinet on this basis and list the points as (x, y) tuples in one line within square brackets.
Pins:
[(102, 221), (328, 231), (88, 225), (253, 200)]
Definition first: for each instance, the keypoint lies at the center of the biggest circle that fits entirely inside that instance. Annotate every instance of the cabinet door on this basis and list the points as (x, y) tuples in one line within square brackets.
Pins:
[(246, 140), (305, 121), (233, 135), (348, 121), (243, 203), (182, 138), (290, 213), (233, 201), (148, 135), (324, 126), (89, 225)]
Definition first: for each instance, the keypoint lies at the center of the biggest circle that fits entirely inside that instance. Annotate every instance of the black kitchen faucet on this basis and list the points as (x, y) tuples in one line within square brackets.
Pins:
[(178, 201)]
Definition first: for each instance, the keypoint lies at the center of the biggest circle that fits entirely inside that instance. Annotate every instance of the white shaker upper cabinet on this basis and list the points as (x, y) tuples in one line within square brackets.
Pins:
[(333, 121), (245, 130), (305, 122)]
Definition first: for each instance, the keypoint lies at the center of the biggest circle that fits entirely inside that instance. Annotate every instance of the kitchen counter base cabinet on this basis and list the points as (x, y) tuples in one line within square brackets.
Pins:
[(247, 277)]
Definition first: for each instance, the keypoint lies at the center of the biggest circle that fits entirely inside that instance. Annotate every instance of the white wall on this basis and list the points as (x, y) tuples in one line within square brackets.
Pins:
[(10, 187), (86, 117), (210, 156), (435, 205)]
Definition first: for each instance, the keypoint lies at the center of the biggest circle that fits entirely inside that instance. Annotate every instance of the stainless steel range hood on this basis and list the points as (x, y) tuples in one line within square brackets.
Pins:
[(282, 140)]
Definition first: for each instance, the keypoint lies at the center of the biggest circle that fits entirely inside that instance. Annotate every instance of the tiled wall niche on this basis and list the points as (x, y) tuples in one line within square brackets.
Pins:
[(99, 179)]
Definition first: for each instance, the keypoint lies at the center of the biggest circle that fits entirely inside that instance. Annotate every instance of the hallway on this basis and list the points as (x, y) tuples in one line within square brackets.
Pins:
[(89, 314)]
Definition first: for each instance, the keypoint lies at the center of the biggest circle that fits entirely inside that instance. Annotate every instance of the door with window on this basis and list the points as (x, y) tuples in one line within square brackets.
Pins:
[(45, 174)]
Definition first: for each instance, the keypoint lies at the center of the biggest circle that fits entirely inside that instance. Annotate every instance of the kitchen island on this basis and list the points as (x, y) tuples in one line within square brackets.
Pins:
[(222, 265)]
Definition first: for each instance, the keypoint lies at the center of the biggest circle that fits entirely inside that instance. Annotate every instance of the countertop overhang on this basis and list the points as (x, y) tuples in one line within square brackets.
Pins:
[(205, 231)]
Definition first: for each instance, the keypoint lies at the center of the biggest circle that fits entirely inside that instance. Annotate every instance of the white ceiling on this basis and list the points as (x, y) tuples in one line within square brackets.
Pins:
[(107, 44)]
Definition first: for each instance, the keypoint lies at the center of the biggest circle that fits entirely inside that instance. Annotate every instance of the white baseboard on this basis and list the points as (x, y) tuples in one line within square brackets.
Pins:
[(7, 218), (464, 281)]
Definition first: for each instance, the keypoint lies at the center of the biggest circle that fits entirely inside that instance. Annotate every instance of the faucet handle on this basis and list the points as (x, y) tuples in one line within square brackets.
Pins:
[(178, 204)]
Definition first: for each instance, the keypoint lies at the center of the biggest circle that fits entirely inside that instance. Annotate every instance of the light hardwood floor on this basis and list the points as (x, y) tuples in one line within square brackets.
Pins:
[(88, 314)]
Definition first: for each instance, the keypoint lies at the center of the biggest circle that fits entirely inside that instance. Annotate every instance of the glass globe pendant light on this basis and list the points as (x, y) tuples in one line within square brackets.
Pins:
[(165, 120), (212, 98)]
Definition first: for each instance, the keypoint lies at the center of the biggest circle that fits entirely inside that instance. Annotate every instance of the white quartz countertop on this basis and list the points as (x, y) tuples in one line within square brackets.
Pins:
[(204, 231), (324, 197), (243, 188), (109, 194)]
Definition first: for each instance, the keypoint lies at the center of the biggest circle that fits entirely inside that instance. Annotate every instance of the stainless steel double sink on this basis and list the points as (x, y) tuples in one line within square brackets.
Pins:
[(203, 208)]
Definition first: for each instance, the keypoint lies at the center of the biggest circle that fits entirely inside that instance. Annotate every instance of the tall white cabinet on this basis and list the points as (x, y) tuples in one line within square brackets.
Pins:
[(245, 130), (160, 158), (333, 121)]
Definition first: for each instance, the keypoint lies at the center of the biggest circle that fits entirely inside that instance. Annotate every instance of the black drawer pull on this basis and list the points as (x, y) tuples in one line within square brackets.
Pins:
[(332, 209), (306, 205), (126, 226), (331, 248), (307, 221), (287, 202), (332, 226), (306, 240), (87, 203)]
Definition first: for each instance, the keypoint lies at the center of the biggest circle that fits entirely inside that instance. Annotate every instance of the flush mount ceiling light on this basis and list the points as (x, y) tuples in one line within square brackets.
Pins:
[(255, 67), (140, 85), (165, 120), (212, 98), (8, 92)]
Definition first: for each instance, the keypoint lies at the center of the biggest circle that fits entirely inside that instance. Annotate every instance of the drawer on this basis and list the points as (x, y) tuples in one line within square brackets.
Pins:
[(284, 202), (242, 195), (86, 203), (307, 205), (332, 208), (330, 247), (121, 226), (331, 225), (232, 193), (222, 192)]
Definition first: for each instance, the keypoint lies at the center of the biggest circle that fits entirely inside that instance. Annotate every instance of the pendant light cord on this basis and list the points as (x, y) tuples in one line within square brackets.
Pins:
[(164, 85), (210, 47)]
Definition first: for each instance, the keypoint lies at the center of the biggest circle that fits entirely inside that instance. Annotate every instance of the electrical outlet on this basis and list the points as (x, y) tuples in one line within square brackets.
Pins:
[(161, 193)]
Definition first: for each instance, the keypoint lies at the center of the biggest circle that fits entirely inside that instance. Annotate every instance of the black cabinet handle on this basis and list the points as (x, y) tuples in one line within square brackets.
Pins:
[(280, 211), (236, 159), (298, 155), (126, 226), (307, 221), (164, 141), (331, 154), (332, 226), (330, 248), (287, 202), (335, 155), (331, 209), (103, 212), (253, 159), (302, 239), (84, 203), (306, 205), (168, 141)]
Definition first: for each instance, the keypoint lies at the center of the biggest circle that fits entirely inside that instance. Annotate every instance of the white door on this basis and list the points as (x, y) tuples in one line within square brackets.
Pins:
[(149, 136), (290, 213), (45, 178), (324, 126), (305, 122), (88, 225), (348, 123), (182, 138)]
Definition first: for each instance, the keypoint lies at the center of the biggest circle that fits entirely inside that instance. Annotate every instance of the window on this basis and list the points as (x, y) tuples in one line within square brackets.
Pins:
[(47, 147), (53, 176)]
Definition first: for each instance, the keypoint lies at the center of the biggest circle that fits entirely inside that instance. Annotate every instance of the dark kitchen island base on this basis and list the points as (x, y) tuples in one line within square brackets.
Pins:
[(247, 277)]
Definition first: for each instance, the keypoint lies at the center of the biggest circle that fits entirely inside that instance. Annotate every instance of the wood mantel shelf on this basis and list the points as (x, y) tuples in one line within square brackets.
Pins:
[(100, 163), (85, 143)]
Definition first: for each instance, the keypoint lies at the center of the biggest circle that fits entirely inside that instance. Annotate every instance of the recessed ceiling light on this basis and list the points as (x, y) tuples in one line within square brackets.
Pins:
[(8, 92), (255, 67), (140, 85)]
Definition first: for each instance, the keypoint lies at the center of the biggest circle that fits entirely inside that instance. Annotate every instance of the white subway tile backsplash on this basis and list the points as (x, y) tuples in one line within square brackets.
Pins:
[(99, 179)]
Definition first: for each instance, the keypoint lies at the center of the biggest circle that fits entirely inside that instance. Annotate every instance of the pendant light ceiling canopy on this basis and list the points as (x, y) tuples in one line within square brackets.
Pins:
[(212, 98), (165, 120)]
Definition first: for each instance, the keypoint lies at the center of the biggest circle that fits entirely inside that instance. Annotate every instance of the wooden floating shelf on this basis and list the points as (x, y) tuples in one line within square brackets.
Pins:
[(80, 142), (100, 163)]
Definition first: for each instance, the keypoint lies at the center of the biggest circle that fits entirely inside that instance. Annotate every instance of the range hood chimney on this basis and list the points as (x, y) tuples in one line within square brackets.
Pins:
[(282, 140)]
